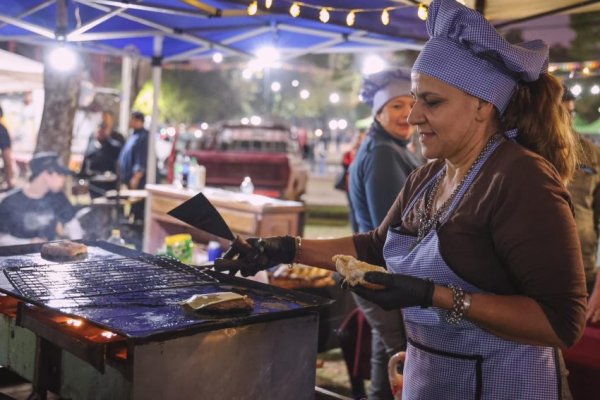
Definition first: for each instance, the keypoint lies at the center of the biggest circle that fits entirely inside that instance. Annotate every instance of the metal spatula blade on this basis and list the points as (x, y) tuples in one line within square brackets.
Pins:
[(200, 213)]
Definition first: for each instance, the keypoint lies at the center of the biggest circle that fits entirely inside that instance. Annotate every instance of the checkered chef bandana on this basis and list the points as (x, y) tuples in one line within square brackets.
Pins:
[(465, 51), (381, 87)]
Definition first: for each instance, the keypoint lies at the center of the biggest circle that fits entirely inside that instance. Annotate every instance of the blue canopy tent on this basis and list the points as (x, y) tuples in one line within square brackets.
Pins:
[(173, 30), (191, 28)]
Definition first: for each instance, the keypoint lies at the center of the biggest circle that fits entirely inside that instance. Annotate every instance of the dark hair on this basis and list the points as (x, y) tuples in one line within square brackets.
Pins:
[(1, 112), (138, 115), (544, 127)]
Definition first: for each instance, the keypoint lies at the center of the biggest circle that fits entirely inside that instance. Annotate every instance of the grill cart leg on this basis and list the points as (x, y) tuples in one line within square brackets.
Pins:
[(46, 375)]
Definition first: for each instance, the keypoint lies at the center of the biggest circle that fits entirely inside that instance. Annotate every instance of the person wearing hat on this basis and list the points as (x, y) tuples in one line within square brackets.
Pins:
[(40, 211), (481, 245), (377, 175)]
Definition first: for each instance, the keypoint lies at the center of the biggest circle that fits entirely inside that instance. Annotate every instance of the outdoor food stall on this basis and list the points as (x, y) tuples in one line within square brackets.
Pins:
[(246, 214), (112, 325)]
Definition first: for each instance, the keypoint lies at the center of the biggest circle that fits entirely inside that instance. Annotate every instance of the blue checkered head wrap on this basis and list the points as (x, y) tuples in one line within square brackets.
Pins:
[(465, 51), (383, 86)]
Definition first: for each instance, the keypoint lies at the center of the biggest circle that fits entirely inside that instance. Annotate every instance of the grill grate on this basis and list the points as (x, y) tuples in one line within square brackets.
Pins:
[(103, 278)]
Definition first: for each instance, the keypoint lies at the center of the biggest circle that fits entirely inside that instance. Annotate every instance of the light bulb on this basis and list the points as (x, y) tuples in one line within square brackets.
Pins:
[(422, 12), (324, 15), (295, 10), (268, 3), (350, 18), (385, 17), (253, 8)]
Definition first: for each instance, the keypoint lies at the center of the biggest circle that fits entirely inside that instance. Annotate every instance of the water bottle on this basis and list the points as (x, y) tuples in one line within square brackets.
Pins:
[(214, 250), (197, 176), (115, 238), (247, 186)]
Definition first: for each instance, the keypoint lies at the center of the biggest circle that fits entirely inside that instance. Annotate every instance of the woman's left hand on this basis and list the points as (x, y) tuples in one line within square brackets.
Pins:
[(400, 291)]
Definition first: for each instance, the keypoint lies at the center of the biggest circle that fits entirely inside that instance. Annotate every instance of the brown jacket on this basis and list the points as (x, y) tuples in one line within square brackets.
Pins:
[(512, 233)]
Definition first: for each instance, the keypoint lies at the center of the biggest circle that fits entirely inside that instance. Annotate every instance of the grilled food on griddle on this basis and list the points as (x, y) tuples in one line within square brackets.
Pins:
[(63, 250), (220, 302)]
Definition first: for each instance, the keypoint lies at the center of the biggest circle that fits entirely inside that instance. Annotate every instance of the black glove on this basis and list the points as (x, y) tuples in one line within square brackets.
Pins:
[(400, 291), (257, 254)]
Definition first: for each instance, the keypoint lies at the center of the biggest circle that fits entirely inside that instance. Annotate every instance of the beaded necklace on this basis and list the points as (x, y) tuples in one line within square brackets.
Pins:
[(427, 218)]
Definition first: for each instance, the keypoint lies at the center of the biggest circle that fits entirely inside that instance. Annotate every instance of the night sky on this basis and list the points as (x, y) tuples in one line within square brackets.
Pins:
[(553, 29)]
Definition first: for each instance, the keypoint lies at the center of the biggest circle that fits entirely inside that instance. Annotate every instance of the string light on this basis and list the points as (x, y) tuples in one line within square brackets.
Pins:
[(385, 17), (325, 12), (295, 10), (350, 18), (253, 8), (324, 15), (422, 12)]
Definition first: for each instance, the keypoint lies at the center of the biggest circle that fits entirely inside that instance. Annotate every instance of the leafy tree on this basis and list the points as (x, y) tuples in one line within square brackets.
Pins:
[(61, 93), (586, 45), (192, 96)]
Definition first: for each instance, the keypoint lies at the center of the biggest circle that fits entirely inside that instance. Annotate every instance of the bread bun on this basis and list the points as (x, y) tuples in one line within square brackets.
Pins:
[(353, 271)]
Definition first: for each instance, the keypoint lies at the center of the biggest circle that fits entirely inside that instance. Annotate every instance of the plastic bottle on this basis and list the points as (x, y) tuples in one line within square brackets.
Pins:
[(115, 238), (214, 250), (247, 186), (197, 177)]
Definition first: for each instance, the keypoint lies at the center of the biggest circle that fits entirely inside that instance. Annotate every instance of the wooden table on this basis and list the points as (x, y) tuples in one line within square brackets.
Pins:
[(247, 215)]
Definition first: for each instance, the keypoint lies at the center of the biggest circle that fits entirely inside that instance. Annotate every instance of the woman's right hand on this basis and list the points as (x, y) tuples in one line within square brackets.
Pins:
[(396, 378), (257, 254)]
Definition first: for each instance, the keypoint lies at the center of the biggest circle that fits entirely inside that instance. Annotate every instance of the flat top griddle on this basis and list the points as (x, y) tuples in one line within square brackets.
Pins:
[(135, 294)]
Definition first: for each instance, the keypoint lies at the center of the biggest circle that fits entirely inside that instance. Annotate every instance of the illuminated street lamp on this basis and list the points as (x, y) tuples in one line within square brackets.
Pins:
[(304, 94), (275, 86), (217, 57), (372, 65), (63, 58)]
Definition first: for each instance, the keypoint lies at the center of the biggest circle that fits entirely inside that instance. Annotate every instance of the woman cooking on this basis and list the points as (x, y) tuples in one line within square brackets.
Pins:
[(481, 243)]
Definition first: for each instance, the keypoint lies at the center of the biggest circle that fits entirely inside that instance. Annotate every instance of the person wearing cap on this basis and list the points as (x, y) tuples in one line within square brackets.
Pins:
[(101, 156), (377, 174), (481, 245), (585, 194), (5, 146), (40, 211), (133, 156)]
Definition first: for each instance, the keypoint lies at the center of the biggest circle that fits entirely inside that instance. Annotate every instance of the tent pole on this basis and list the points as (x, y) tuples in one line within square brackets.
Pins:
[(125, 104), (156, 77)]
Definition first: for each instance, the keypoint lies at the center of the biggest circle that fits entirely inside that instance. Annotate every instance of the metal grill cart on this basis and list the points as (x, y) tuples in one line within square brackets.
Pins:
[(111, 327)]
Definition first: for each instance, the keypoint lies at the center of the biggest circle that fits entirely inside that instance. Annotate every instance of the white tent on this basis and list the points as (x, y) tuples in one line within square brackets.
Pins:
[(19, 74), (22, 99)]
